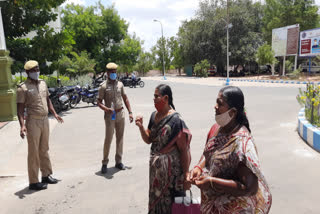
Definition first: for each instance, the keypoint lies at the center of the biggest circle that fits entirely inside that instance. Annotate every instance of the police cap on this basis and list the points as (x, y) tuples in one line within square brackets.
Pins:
[(30, 64), (112, 66)]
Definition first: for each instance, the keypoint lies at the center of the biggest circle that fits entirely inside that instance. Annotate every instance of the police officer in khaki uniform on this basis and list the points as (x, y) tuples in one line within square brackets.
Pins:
[(34, 96), (112, 93)]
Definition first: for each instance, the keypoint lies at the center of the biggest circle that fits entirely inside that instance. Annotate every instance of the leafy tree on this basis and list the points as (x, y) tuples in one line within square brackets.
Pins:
[(280, 13), (100, 31), (160, 52), (265, 56), (176, 53), (128, 52), (201, 68), (76, 65), (204, 37), (21, 17), (144, 63)]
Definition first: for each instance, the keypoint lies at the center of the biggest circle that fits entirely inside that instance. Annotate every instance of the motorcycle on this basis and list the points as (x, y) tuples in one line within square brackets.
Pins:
[(127, 81), (59, 98), (89, 95), (138, 82)]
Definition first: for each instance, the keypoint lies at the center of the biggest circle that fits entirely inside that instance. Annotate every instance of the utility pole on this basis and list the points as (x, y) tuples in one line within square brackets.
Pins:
[(228, 81)]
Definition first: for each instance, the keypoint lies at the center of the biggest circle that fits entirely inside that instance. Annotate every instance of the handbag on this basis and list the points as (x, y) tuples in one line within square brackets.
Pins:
[(185, 205)]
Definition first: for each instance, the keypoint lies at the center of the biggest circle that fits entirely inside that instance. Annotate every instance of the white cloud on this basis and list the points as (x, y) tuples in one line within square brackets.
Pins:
[(141, 13)]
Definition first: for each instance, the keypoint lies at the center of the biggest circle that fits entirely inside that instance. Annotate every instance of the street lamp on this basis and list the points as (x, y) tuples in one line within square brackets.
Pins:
[(163, 62), (2, 38), (228, 81)]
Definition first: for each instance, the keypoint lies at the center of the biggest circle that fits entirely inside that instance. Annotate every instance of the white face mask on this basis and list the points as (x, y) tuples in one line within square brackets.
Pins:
[(223, 119), (34, 75)]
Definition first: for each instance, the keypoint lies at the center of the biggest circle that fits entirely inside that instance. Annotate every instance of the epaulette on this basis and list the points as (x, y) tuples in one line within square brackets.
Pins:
[(21, 84), (102, 83)]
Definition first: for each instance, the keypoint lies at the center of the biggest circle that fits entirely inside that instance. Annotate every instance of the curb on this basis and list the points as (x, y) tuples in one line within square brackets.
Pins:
[(309, 133), (271, 81)]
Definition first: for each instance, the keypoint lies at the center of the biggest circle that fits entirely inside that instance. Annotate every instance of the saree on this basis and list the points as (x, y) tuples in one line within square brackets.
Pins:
[(223, 154), (165, 169)]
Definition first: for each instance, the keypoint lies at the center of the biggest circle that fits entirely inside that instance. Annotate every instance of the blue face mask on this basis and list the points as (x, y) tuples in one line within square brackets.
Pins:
[(113, 76)]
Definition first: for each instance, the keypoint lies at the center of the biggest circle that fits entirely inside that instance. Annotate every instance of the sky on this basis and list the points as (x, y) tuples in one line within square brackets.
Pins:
[(141, 13)]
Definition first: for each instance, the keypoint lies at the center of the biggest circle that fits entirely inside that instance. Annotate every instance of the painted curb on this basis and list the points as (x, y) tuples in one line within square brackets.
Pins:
[(270, 81), (309, 133)]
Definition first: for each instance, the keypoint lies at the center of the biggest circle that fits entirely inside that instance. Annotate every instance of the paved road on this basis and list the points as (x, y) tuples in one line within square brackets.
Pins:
[(290, 166)]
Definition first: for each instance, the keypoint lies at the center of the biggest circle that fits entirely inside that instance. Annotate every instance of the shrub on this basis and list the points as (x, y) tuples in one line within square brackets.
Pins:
[(310, 99), (201, 68)]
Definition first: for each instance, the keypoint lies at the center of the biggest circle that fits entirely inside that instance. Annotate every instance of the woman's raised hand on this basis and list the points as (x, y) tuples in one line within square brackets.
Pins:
[(203, 182), (139, 120), (194, 174)]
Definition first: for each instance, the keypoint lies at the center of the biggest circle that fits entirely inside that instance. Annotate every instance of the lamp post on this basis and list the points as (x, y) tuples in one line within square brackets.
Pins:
[(163, 62), (7, 89), (228, 81)]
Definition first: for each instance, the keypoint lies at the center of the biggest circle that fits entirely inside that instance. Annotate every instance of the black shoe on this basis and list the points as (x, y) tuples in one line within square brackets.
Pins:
[(49, 180), (37, 186), (104, 169), (120, 166)]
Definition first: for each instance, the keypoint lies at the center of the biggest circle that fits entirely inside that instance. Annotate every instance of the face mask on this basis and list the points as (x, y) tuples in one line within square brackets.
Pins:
[(160, 105), (113, 76), (223, 119), (34, 75)]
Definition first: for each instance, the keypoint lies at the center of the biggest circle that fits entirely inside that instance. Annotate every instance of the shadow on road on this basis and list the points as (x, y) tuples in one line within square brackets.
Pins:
[(85, 106), (24, 192), (111, 172)]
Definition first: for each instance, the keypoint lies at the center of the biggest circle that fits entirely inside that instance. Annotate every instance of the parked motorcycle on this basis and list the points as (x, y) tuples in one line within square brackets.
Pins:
[(59, 98), (89, 95), (138, 82)]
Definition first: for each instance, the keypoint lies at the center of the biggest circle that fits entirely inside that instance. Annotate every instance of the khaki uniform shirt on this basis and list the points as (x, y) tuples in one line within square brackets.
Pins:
[(112, 92), (34, 96)]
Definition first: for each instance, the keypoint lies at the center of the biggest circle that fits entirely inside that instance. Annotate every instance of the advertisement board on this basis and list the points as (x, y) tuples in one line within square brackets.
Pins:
[(285, 40), (310, 42)]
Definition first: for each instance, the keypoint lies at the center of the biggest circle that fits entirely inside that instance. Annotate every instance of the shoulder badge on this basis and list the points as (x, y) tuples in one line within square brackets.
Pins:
[(104, 82)]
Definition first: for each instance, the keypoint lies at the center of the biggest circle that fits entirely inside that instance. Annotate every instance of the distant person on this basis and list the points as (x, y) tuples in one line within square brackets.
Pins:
[(112, 93), (169, 153), (34, 96), (134, 79), (228, 173)]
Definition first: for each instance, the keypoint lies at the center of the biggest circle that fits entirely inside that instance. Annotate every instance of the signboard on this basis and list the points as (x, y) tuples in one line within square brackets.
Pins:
[(285, 40), (310, 42)]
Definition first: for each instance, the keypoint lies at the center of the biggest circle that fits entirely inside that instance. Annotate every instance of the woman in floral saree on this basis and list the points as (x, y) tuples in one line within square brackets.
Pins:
[(169, 154), (228, 172)]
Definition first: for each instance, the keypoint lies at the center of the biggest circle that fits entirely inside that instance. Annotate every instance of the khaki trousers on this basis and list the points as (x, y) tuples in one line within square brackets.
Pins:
[(111, 125), (38, 147)]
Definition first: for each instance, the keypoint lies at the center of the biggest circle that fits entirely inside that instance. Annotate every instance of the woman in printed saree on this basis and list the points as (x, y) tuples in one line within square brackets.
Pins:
[(228, 173), (169, 154)]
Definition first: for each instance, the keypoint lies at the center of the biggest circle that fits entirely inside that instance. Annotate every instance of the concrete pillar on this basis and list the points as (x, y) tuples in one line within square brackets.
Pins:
[(8, 107)]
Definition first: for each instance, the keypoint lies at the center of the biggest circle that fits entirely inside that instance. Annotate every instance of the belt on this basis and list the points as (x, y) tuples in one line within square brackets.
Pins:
[(119, 109), (37, 117)]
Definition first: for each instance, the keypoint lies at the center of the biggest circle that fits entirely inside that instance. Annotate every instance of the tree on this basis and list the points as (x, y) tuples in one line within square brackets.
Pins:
[(22, 17), (127, 53), (201, 68), (280, 13), (161, 51), (144, 63), (176, 53), (204, 37), (76, 65), (100, 31), (265, 56)]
